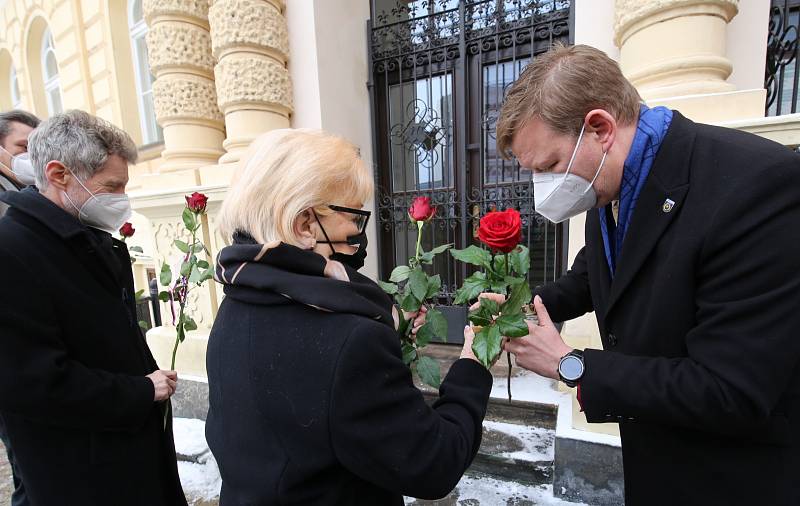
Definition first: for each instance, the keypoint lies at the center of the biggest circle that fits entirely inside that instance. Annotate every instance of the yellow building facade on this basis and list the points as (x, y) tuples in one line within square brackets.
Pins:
[(195, 81)]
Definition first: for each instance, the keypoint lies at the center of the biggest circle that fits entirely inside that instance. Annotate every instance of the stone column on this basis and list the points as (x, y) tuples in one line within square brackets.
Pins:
[(672, 48), (251, 43), (179, 46)]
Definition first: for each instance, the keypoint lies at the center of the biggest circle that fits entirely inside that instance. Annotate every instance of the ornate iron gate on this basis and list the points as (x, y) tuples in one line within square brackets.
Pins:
[(439, 70), (781, 73)]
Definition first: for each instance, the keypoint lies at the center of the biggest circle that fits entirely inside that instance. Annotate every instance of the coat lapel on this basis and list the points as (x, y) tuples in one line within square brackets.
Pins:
[(660, 201)]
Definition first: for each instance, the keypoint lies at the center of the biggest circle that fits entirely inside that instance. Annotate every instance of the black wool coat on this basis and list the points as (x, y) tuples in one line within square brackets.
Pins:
[(78, 408), (701, 323), (310, 401)]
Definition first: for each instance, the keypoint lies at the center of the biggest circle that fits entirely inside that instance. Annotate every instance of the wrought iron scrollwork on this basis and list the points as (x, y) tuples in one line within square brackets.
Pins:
[(422, 134), (781, 52)]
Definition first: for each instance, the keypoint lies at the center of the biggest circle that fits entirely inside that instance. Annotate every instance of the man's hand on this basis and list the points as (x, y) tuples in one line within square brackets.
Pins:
[(497, 297), (542, 349), (164, 383)]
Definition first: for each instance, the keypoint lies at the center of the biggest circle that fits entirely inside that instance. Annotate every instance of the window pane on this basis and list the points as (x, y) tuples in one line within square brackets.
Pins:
[(421, 116), (14, 86), (496, 79), (50, 65), (54, 101), (151, 131)]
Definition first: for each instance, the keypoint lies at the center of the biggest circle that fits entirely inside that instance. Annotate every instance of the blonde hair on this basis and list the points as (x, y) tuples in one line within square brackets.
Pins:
[(561, 86), (286, 172)]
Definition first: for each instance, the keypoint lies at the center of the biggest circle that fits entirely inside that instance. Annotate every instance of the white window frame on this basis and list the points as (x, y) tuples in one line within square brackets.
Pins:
[(51, 83), (151, 131)]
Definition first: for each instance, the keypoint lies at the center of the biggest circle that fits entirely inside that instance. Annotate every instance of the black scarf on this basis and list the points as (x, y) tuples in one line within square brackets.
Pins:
[(279, 274)]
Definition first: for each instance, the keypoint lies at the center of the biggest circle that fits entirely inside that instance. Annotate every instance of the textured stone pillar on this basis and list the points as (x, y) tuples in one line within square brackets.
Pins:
[(671, 48), (179, 46), (251, 44)]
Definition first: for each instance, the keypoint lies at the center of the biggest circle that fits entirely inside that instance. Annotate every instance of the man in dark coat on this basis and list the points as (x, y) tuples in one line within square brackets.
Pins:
[(691, 267), (15, 127), (82, 398)]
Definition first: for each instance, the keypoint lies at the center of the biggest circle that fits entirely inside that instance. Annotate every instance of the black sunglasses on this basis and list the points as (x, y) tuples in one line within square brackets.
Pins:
[(362, 216)]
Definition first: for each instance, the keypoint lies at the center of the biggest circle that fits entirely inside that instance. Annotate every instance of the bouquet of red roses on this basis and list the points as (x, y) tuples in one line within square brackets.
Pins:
[(504, 270)]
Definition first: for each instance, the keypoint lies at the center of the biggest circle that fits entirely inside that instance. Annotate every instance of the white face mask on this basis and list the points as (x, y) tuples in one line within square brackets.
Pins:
[(22, 168), (559, 197), (104, 211)]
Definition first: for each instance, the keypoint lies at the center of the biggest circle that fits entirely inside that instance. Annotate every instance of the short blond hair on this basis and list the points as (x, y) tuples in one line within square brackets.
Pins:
[(286, 172), (560, 87)]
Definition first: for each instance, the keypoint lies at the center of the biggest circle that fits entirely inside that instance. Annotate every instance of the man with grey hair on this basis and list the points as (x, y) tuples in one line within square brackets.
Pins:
[(16, 171), (81, 395)]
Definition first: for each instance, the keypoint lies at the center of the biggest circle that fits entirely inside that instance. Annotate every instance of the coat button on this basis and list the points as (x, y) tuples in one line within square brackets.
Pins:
[(612, 339)]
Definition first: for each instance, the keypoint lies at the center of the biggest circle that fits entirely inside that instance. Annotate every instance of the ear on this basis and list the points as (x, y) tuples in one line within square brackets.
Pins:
[(305, 229), (602, 125), (57, 175)]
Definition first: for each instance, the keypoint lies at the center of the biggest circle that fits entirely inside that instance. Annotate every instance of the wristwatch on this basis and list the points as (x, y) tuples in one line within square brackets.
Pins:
[(571, 368)]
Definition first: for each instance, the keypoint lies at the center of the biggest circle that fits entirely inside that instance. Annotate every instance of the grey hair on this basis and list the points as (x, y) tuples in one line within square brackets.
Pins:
[(15, 116), (80, 141)]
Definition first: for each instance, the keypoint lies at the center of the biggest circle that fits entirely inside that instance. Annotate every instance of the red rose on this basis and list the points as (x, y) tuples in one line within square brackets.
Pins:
[(421, 209), (127, 230), (197, 202), (501, 231)]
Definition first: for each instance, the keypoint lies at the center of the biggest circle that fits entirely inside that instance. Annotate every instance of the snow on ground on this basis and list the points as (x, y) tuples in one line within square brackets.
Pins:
[(190, 436), (491, 492), (537, 441), (200, 478), (528, 387)]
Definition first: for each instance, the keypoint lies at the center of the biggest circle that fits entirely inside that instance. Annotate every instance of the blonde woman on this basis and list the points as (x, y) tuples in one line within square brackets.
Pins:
[(310, 402)]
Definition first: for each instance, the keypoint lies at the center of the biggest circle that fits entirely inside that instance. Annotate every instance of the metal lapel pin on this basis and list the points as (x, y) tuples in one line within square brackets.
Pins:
[(668, 205)]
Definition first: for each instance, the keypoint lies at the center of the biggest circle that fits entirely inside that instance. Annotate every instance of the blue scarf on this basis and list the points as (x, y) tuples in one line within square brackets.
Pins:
[(650, 131)]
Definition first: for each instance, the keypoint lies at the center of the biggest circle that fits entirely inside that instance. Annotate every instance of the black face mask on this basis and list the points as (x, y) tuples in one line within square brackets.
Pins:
[(356, 260)]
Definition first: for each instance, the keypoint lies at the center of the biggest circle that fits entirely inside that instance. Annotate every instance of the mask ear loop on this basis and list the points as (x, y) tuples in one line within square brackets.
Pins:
[(602, 161), (569, 165), (328, 239)]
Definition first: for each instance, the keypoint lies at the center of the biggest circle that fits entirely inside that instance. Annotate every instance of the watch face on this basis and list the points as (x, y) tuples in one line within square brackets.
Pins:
[(571, 368)]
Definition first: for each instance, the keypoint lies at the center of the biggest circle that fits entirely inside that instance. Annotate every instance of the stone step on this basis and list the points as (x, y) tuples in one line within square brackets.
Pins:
[(518, 441), (476, 489)]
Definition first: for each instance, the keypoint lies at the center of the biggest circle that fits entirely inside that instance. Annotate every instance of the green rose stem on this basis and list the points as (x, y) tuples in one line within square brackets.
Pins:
[(182, 299), (420, 224), (508, 355)]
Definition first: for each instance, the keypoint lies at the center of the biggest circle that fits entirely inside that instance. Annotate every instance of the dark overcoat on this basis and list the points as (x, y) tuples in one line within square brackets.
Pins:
[(78, 408), (700, 324)]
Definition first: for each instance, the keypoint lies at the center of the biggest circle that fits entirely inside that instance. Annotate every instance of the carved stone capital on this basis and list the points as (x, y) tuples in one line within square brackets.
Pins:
[(253, 79), (184, 45), (256, 24)]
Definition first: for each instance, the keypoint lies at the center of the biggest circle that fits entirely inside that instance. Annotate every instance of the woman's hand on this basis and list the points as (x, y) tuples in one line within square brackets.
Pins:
[(418, 317), (466, 351)]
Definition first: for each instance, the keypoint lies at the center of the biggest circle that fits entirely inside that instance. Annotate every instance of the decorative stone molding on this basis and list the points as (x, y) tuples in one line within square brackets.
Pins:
[(660, 52), (631, 16), (184, 95), (182, 45), (194, 9), (176, 98), (254, 23), (253, 79), (250, 39)]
